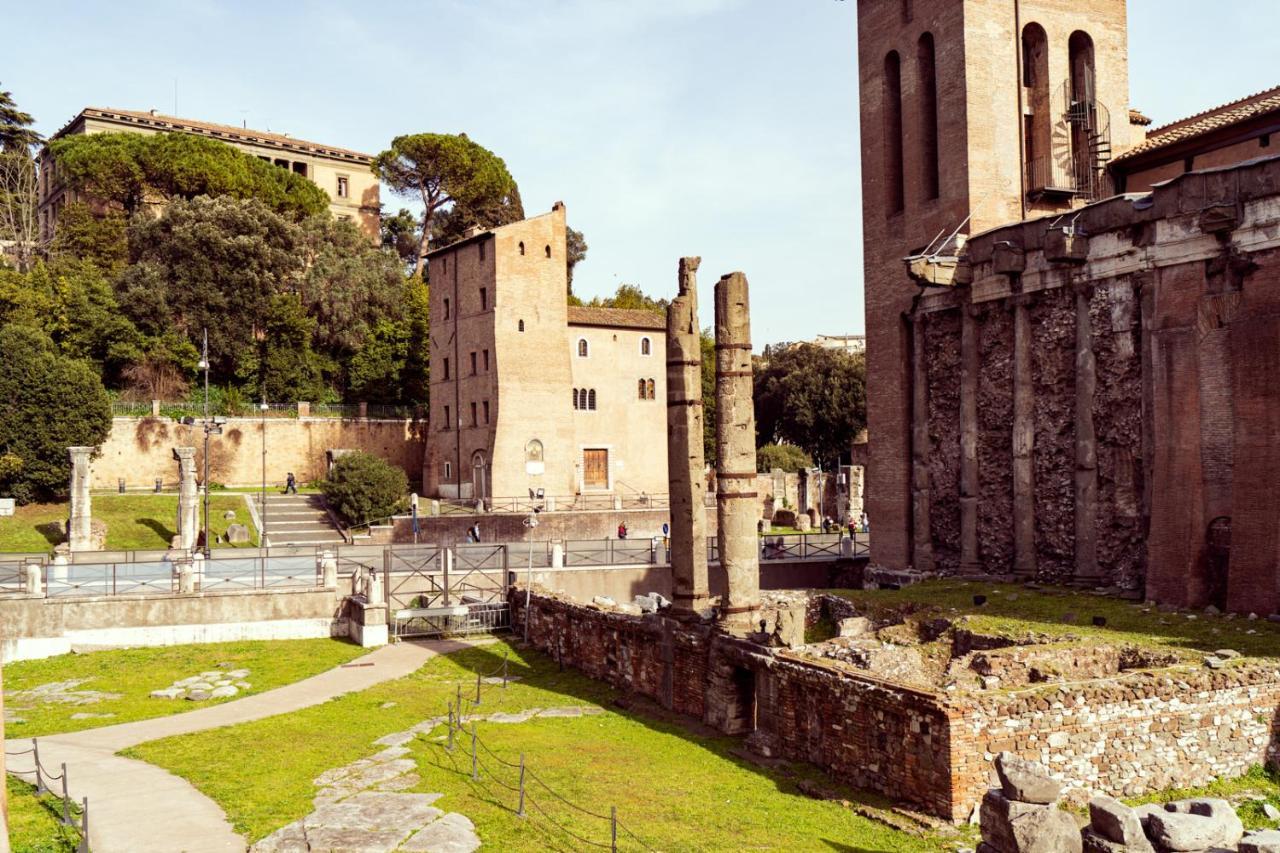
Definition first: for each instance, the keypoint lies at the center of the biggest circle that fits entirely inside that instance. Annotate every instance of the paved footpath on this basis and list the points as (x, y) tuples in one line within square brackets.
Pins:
[(135, 807)]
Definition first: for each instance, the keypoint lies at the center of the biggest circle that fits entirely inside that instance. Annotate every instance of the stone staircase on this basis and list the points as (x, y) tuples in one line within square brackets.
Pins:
[(298, 520)]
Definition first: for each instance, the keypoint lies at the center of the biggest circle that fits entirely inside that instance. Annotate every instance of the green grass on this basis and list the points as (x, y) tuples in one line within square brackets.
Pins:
[(134, 673), (134, 522), (679, 788), (33, 821), (1248, 793), (1015, 611)]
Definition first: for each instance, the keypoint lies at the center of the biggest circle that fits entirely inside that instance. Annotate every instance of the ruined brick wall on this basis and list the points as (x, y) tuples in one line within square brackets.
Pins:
[(942, 343), (995, 443), (1129, 736), (1053, 348)]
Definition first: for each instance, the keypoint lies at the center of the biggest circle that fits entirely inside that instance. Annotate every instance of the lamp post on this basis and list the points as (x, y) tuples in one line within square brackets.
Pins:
[(211, 427), (263, 541)]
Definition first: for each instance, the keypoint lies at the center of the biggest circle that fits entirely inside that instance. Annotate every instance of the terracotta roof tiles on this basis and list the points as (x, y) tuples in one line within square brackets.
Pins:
[(1207, 121), (621, 318)]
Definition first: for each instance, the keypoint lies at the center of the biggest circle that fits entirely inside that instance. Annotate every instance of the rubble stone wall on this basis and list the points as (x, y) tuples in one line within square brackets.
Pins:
[(942, 342)]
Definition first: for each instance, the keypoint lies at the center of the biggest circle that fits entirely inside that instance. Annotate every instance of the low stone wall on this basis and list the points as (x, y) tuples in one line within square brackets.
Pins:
[(140, 450), (41, 627), (450, 530), (1129, 734), (622, 583)]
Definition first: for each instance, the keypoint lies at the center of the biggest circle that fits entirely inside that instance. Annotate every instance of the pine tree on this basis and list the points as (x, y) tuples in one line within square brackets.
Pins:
[(15, 126)]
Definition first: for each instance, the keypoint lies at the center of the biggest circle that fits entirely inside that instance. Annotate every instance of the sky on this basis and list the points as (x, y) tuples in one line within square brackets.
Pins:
[(721, 128)]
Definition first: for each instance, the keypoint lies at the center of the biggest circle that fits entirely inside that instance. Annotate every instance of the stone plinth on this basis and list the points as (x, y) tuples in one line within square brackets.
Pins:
[(188, 504), (736, 453), (80, 525), (685, 464)]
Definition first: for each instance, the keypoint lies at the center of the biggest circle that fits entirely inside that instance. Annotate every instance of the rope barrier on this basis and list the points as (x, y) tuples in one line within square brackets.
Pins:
[(531, 801), (562, 799)]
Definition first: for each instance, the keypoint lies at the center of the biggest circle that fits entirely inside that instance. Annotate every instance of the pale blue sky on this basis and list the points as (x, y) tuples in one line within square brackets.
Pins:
[(726, 128)]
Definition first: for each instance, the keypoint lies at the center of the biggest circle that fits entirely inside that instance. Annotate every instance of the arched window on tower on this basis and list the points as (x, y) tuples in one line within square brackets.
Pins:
[(575, 398), (1090, 131), (1041, 167), (892, 108), (591, 399), (651, 390), (640, 387), (926, 74), (583, 348)]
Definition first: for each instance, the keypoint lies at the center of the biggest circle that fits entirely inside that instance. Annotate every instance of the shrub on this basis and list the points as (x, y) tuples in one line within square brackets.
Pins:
[(364, 488), (788, 457)]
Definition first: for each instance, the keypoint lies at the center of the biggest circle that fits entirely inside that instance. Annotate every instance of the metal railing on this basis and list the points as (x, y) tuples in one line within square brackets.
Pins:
[(523, 504), (178, 409), (609, 552), (43, 779)]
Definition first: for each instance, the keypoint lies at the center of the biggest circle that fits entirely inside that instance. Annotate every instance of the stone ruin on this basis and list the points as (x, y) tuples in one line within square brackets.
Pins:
[(1022, 816), (83, 533), (188, 525)]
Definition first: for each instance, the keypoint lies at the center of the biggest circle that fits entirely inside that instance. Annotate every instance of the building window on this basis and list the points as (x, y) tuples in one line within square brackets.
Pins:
[(533, 451), (446, 368), (646, 346), (1037, 133), (344, 190), (575, 398), (521, 326), (591, 399), (447, 420), (548, 250), (448, 471), (521, 247), (641, 388), (652, 388), (484, 299), (892, 105), (486, 361), (480, 246), (486, 411), (473, 364), (444, 266), (926, 74), (300, 169), (446, 305), (583, 349), (473, 415)]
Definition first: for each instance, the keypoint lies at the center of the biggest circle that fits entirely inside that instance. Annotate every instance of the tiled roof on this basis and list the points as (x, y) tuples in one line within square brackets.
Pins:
[(226, 132), (620, 318), (1136, 117), (1207, 121)]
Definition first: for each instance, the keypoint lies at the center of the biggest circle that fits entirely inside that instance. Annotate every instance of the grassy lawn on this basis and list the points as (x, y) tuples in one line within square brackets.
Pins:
[(1247, 793), (134, 673), (134, 522), (1016, 611), (679, 789), (33, 821)]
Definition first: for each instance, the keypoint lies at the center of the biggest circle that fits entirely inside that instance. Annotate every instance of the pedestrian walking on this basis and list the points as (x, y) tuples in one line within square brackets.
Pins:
[(622, 530), (290, 484), (475, 532)]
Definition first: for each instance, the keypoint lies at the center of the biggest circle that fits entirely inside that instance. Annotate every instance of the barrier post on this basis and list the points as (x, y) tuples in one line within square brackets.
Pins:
[(613, 829), (477, 702), (504, 669), (475, 767), (35, 750), (84, 826), (449, 746), (66, 800), (520, 810)]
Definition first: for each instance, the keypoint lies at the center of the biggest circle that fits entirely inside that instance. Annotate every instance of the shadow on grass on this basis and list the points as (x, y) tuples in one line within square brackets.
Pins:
[(53, 532), (159, 528)]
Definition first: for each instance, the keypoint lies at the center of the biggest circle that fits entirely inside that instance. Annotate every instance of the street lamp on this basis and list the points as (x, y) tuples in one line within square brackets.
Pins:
[(263, 541), (212, 426)]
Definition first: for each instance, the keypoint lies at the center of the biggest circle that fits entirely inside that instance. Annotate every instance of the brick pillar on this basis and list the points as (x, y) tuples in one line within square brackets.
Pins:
[(1086, 480), (188, 503), (1024, 436), (685, 463), (79, 527), (736, 452), (970, 562), (921, 528)]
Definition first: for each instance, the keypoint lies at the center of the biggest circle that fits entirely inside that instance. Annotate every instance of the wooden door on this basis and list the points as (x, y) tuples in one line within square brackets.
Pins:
[(595, 469)]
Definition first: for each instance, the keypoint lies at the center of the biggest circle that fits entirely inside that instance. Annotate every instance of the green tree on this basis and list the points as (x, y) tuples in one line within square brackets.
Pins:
[(415, 376), (441, 169), (285, 367), (400, 235), (99, 238), (575, 252), (374, 374), (15, 126), (707, 344), (812, 397), (363, 488), (452, 224), (51, 403), (129, 169), (788, 457)]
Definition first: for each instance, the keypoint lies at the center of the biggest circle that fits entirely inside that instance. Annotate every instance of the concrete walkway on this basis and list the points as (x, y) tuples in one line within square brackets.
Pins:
[(135, 807)]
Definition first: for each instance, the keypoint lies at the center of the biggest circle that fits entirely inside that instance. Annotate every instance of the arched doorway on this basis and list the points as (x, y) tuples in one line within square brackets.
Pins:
[(479, 476)]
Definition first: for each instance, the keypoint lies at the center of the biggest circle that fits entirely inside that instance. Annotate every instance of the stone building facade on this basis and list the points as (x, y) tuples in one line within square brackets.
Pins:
[(347, 176), (530, 394), (1062, 395)]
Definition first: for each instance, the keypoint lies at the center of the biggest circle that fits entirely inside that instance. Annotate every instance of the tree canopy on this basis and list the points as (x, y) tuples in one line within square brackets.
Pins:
[(129, 169), (15, 126), (812, 397), (442, 169)]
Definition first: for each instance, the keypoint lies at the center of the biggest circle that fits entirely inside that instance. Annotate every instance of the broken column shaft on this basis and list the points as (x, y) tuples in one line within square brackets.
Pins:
[(188, 503), (80, 523), (736, 453), (685, 465)]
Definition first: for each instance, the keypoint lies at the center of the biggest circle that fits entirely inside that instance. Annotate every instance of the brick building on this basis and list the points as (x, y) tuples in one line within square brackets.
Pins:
[(1062, 395), (529, 393), (347, 176)]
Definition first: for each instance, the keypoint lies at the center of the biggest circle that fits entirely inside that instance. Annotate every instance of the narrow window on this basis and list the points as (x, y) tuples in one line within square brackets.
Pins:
[(484, 299), (906, 11), (446, 305), (1086, 132), (1037, 134), (473, 364), (926, 73), (447, 419), (646, 346), (473, 415), (448, 471), (652, 388), (892, 106), (591, 399), (486, 361), (300, 169), (548, 250), (446, 368), (641, 389), (521, 327), (444, 265), (481, 247), (575, 398), (486, 411), (582, 348), (521, 247), (1264, 141), (343, 189)]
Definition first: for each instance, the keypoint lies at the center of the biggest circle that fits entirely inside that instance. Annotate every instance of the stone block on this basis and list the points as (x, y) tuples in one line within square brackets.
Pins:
[(1181, 832), (1116, 822), (167, 693), (784, 517), (237, 534), (1261, 841), (223, 692), (1026, 781), (854, 626), (996, 815)]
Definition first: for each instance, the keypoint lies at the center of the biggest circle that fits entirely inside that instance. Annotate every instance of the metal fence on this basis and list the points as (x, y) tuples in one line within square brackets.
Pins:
[(263, 572), (13, 575), (43, 779), (609, 552)]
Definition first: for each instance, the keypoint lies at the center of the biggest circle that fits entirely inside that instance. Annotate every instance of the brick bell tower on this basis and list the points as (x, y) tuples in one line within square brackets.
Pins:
[(974, 114)]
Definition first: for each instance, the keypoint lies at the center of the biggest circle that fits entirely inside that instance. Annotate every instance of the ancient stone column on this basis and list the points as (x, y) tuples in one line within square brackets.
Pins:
[(80, 524), (1024, 510), (921, 527), (687, 485), (970, 562), (1086, 481), (736, 453), (188, 503)]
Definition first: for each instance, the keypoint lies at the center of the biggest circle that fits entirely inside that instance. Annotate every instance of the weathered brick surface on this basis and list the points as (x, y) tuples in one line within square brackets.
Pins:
[(942, 341), (995, 447)]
